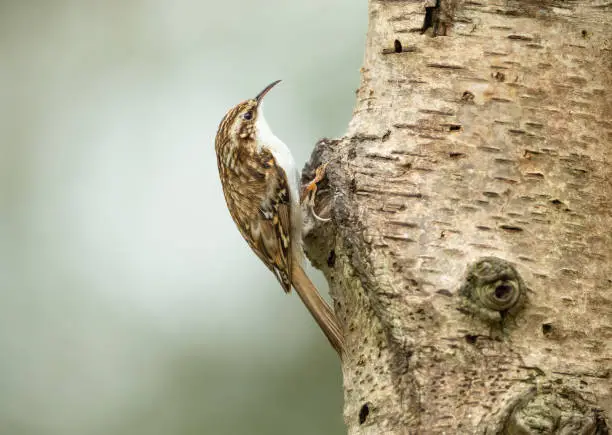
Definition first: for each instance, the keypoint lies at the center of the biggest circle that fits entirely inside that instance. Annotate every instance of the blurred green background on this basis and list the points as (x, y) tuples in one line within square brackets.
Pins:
[(129, 302)]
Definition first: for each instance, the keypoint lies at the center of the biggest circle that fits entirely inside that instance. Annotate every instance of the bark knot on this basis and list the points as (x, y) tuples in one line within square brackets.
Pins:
[(492, 289), (551, 410)]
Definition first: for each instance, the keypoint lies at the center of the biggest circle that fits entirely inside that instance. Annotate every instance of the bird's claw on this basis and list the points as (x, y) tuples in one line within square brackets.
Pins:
[(309, 192)]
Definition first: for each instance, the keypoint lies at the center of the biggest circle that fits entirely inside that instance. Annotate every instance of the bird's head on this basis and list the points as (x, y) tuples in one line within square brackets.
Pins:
[(241, 122)]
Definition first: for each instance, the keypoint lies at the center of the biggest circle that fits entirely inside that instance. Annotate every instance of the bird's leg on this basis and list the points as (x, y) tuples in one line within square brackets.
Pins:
[(309, 192), (312, 186)]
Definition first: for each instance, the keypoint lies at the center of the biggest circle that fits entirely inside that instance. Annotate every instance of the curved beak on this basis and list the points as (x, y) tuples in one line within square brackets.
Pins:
[(263, 93)]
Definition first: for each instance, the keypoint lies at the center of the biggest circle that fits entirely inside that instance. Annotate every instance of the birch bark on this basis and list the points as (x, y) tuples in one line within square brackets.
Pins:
[(470, 249)]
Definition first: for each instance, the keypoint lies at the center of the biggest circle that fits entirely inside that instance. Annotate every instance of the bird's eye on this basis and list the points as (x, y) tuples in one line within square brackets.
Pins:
[(248, 115)]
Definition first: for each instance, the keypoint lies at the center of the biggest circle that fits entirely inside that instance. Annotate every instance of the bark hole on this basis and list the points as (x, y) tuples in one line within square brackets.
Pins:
[(468, 97), (601, 427), (397, 46), (363, 413), (502, 291), (331, 258), (430, 16), (471, 339), (499, 76)]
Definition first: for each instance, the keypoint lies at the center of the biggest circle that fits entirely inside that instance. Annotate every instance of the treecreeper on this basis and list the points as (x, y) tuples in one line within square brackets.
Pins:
[(261, 188)]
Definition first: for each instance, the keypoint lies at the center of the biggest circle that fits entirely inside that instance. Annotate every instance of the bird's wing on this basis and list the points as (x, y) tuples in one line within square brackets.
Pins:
[(261, 208), (275, 224)]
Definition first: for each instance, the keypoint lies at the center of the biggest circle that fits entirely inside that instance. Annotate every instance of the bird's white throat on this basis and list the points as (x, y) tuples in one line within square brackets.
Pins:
[(267, 139)]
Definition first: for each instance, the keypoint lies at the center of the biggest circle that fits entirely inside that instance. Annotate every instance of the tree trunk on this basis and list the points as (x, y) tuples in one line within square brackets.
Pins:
[(470, 248)]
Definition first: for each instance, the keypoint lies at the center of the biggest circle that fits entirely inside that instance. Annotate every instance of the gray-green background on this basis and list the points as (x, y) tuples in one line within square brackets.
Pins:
[(129, 304)]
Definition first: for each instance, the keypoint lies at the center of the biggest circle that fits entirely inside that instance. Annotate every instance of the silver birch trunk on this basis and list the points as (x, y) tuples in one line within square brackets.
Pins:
[(469, 254)]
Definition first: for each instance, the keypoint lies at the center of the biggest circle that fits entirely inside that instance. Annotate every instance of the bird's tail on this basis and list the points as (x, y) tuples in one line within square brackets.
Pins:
[(319, 309)]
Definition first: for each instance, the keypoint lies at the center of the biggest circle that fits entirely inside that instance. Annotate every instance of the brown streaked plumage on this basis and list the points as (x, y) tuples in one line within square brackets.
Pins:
[(260, 185)]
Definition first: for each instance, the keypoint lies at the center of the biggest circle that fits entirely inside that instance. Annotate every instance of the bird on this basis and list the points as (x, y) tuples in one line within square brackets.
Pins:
[(260, 184)]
